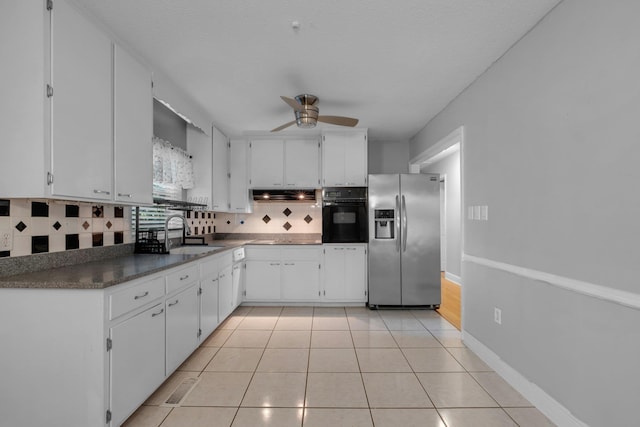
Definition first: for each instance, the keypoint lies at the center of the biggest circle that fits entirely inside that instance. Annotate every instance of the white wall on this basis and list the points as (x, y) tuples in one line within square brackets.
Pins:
[(388, 157), (450, 167), (552, 147)]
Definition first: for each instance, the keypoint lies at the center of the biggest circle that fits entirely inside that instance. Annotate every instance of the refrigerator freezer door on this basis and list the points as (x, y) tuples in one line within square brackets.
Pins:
[(420, 258), (384, 254)]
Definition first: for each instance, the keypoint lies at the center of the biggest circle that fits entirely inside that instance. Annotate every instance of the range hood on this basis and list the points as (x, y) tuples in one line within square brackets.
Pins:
[(282, 195)]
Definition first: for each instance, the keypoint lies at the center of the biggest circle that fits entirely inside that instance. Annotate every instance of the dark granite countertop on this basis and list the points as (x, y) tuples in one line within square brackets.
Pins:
[(286, 242), (108, 272)]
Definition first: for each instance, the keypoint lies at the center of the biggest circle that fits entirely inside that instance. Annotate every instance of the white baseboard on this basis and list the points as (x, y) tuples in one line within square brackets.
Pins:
[(453, 278), (555, 411)]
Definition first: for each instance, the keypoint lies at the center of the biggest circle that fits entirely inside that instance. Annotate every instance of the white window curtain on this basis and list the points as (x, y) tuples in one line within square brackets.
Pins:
[(172, 166)]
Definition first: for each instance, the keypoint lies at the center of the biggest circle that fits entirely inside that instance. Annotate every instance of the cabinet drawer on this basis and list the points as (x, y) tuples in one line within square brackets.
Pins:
[(300, 253), (136, 296), (263, 253), (181, 278)]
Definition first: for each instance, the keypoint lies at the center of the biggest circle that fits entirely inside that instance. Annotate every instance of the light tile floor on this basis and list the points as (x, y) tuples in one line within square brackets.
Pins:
[(304, 366)]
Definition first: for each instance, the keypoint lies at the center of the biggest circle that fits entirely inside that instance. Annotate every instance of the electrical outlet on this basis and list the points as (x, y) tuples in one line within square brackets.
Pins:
[(497, 315), (6, 240)]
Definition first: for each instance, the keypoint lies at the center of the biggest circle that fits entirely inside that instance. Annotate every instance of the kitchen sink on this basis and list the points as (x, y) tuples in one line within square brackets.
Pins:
[(194, 250)]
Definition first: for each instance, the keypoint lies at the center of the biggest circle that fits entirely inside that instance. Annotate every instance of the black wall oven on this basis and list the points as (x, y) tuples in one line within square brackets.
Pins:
[(344, 215)]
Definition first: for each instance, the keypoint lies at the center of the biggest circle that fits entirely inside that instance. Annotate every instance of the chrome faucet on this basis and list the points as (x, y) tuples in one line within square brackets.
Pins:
[(166, 229)]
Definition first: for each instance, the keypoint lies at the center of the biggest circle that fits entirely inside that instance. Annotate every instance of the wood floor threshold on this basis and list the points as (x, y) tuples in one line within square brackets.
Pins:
[(450, 307)]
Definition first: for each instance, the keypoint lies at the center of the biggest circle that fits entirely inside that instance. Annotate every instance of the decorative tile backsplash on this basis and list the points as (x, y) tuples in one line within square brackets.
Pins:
[(40, 226), (274, 217), (201, 223)]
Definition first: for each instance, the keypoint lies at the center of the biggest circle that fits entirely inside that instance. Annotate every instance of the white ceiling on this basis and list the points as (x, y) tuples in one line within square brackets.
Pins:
[(392, 64)]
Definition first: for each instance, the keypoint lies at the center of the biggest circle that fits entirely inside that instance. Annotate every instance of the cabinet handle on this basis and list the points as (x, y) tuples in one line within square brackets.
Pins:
[(102, 192), (184, 277), (141, 296), (350, 249), (338, 249), (223, 275), (171, 304), (289, 263), (125, 195), (351, 183), (158, 313), (274, 263)]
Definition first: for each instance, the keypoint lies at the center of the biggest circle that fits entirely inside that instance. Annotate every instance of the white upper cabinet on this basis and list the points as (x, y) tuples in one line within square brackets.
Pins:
[(290, 163), (267, 163), (220, 171), (199, 145), (302, 163), (344, 159), (81, 135), (79, 110), (238, 185), (133, 123)]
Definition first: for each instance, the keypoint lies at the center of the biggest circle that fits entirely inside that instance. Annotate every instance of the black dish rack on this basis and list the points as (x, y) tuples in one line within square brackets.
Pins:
[(147, 242)]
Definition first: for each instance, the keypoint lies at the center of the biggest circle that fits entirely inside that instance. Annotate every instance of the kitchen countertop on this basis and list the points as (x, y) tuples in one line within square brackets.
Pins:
[(113, 271), (108, 272)]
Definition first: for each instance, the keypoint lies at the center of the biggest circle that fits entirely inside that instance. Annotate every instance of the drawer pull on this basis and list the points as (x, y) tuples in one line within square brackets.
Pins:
[(186, 276), (158, 313), (274, 263), (102, 192), (125, 195), (171, 304), (141, 296)]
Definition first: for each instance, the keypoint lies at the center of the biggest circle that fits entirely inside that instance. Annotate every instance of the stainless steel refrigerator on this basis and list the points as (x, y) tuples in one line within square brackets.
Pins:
[(404, 240)]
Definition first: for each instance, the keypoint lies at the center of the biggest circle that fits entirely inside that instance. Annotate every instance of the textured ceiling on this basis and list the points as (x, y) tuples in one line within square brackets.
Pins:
[(392, 64)]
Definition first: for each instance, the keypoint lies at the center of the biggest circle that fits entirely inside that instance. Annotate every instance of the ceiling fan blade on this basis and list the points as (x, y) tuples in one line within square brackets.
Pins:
[(338, 120), (284, 126), (294, 104)]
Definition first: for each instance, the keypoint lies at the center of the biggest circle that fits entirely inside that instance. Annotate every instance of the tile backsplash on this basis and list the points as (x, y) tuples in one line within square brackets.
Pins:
[(40, 226), (274, 217)]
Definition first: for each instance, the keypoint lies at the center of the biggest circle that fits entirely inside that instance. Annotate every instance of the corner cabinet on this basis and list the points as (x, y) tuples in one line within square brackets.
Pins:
[(90, 120), (344, 158)]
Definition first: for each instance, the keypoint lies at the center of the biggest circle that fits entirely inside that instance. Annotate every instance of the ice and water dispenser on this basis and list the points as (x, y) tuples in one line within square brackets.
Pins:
[(384, 220)]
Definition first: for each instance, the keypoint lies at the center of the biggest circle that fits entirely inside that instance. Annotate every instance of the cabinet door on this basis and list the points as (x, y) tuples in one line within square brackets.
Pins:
[(302, 163), (238, 189), (133, 123), (267, 163), (225, 293), (332, 162), (220, 186), (209, 305), (334, 277), (81, 107), (137, 365), (238, 283), (355, 273), (200, 146), (182, 327), (262, 281), (355, 159), (300, 280)]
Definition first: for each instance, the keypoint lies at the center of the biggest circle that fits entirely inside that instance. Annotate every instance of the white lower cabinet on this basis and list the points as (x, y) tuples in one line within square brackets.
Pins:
[(300, 280), (345, 275), (225, 293), (237, 276), (209, 304), (182, 326), (135, 366), (263, 280)]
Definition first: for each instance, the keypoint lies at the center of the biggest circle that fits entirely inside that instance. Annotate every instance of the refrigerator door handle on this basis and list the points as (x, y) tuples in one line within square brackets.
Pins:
[(397, 224), (405, 226)]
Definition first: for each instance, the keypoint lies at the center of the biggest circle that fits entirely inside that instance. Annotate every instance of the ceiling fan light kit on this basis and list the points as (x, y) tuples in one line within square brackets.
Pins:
[(306, 113)]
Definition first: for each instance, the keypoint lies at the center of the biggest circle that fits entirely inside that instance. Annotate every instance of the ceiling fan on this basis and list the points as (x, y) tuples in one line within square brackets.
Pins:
[(305, 107)]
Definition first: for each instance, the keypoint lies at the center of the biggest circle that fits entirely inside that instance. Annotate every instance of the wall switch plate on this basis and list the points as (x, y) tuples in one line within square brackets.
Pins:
[(497, 315), (484, 213)]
